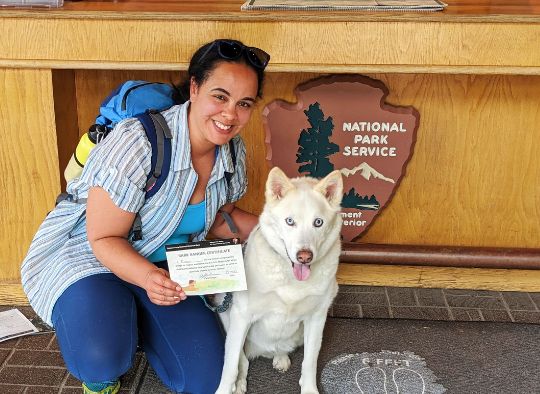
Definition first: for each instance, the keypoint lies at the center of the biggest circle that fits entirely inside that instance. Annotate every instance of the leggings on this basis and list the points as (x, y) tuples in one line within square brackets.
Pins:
[(100, 320)]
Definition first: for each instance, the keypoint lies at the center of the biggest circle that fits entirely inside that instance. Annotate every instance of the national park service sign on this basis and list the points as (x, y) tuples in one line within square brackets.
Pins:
[(343, 122)]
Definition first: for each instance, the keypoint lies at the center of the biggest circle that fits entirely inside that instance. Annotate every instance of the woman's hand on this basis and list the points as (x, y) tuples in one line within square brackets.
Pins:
[(108, 228), (161, 289)]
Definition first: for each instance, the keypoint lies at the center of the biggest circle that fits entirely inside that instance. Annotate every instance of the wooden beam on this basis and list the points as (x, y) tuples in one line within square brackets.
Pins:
[(439, 277)]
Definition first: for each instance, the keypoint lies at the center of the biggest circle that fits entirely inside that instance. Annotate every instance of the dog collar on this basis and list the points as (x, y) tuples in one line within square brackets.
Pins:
[(226, 304)]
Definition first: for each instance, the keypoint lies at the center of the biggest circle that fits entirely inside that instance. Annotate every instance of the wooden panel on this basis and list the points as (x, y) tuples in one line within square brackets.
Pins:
[(65, 111), (76, 43), (29, 162), (433, 277), (472, 180)]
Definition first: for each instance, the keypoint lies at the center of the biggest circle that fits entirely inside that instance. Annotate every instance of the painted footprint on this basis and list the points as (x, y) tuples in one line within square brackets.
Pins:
[(408, 381), (371, 380)]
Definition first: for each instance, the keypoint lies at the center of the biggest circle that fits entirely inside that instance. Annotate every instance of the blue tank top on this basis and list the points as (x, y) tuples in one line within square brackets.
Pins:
[(192, 222)]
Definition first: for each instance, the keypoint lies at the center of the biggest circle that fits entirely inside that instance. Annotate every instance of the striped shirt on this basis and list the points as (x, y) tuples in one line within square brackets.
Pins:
[(60, 253)]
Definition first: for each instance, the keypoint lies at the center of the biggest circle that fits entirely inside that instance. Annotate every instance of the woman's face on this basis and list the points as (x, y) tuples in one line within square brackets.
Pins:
[(222, 105)]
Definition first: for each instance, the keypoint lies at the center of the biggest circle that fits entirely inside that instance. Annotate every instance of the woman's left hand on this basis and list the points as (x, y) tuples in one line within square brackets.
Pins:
[(161, 289)]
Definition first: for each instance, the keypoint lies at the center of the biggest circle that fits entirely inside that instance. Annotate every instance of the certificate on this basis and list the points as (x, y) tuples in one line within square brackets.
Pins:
[(207, 267)]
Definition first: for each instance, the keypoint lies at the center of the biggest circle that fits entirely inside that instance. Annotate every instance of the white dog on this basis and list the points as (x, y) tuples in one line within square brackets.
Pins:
[(291, 262)]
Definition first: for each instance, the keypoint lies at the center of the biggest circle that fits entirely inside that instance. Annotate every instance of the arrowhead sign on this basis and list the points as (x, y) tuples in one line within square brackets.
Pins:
[(342, 122)]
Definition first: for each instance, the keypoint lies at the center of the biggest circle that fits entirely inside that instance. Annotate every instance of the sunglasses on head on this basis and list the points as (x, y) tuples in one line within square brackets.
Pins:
[(232, 50)]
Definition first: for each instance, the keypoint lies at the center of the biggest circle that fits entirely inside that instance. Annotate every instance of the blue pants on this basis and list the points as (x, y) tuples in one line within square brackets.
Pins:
[(99, 321)]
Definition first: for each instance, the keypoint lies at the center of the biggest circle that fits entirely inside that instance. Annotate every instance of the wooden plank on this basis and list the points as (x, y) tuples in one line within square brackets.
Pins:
[(436, 277), (12, 294), (29, 162), (281, 68), (428, 44)]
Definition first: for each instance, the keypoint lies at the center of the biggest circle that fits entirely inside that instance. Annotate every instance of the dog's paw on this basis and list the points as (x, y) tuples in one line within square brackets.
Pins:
[(240, 386), (309, 392), (308, 385), (281, 362)]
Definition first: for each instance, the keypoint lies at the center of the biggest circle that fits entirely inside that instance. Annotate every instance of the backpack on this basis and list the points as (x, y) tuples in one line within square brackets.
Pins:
[(144, 101), (139, 99)]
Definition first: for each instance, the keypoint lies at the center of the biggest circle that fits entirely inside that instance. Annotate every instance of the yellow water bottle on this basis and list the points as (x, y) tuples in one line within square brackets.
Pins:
[(87, 142)]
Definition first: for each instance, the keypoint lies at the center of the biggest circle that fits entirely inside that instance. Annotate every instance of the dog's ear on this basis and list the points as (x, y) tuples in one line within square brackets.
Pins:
[(331, 187), (277, 184)]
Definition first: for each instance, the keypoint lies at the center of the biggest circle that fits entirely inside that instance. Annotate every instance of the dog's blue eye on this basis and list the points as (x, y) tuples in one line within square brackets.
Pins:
[(318, 222), (289, 221)]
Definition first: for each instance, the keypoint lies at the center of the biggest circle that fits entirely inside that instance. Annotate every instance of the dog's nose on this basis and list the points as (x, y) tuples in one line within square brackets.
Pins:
[(304, 256)]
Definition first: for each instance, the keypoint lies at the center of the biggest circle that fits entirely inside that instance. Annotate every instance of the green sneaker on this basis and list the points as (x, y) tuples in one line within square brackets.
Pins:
[(110, 388)]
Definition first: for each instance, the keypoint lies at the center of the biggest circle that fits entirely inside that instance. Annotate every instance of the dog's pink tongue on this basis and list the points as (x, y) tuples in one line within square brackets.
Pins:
[(301, 271)]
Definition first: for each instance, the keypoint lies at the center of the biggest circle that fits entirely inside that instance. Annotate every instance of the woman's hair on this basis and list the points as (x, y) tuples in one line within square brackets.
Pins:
[(203, 62)]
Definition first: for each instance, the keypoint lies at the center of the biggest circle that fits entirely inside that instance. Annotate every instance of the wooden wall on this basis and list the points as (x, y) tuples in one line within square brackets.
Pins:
[(472, 181), (472, 72)]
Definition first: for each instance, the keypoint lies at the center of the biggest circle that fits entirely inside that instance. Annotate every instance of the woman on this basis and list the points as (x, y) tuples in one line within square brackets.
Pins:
[(105, 293)]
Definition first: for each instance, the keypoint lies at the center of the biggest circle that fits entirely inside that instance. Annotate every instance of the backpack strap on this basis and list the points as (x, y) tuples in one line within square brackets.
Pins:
[(228, 219), (159, 135), (228, 175)]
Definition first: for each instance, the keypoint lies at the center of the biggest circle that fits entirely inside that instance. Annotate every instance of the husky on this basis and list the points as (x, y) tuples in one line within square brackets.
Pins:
[(291, 260)]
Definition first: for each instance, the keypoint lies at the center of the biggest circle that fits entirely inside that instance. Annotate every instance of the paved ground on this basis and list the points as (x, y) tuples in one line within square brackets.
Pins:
[(33, 364), (436, 304)]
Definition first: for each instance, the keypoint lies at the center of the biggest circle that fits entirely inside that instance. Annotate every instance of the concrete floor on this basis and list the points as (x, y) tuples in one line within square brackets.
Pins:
[(33, 364)]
